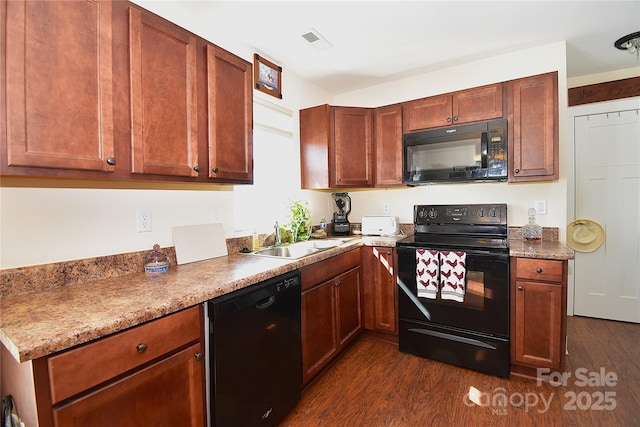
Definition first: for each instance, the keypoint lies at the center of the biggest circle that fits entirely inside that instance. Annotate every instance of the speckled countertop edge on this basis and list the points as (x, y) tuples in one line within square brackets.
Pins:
[(544, 249)]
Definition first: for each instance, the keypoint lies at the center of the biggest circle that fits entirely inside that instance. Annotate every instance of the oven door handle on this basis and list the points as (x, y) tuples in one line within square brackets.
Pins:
[(498, 256)]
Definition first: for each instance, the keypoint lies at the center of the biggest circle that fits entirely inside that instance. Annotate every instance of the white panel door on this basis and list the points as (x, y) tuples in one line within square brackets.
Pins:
[(607, 153)]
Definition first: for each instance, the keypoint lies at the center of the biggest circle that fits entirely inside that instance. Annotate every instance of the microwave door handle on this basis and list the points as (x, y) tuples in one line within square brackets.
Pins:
[(484, 146)]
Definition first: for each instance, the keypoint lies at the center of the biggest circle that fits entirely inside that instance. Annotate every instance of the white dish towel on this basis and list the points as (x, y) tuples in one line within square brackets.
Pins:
[(453, 270), (427, 272)]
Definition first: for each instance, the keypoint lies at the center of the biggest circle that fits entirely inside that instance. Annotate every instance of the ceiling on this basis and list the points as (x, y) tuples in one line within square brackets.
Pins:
[(378, 41)]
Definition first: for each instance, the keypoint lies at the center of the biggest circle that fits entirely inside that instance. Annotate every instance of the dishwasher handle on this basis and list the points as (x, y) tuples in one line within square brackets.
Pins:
[(265, 303)]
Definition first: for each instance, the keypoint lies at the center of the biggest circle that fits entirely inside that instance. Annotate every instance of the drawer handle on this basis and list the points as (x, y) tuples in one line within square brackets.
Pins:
[(538, 270), (142, 347), (520, 288)]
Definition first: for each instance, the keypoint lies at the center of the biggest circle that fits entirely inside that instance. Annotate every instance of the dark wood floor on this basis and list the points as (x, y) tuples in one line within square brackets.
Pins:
[(373, 384)]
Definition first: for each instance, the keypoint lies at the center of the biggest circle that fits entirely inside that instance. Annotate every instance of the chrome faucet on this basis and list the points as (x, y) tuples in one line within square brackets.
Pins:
[(277, 234)]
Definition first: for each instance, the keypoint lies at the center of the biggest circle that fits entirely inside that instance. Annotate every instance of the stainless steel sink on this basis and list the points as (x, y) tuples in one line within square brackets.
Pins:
[(299, 250)]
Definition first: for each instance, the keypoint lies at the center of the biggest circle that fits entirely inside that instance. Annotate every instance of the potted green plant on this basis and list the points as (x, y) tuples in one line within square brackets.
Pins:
[(299, 220)]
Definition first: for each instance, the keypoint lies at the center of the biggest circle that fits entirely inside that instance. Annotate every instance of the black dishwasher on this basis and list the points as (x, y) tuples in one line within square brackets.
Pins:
[(255, 353)]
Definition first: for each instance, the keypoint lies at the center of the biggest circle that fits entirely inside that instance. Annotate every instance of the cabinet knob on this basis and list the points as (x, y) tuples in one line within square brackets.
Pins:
[(214, 170), (520, 288), (516, 171), (111, 161), (538, 270), (142, 347), (449, 119), (196, 168), (337, 283), (455, 118), (198, 356)]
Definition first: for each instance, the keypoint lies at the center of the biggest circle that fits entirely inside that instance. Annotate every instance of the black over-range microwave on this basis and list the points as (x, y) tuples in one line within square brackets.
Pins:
[(474, 152)]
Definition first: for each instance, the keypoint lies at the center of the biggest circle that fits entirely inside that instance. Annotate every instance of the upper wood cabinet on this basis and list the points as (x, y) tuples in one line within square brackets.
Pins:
[(387, 138), (533, 128), (336, 147), (481, 103), (57, 82), (108, 90), (164, 109), (230, 116)]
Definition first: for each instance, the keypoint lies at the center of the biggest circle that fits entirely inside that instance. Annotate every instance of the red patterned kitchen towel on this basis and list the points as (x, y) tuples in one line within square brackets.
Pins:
[(453, 270), (427, 270)]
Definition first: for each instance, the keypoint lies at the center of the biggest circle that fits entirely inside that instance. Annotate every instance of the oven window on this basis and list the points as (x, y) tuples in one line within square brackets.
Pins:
[(476, 291)]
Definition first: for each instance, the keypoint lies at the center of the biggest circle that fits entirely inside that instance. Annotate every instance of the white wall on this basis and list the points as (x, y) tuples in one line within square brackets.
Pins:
[(518, 196)]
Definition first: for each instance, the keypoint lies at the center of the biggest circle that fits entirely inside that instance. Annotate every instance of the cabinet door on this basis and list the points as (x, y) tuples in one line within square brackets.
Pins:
[(481, 103), (533, 133), (314, 147), (385, 290), (59, 102), (163, 97), (426, 113), (352, 146), (348, 305), (388, 146), (230, 112), (538, 324), (319, 341), (169, 392)]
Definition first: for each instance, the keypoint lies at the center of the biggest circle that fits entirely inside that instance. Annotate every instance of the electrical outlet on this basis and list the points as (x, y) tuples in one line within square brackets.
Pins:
[(385, 208), (144, 220), (541, 207)]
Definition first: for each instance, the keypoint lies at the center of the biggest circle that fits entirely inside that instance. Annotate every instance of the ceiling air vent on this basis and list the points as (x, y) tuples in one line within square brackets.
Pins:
[(316, 40)]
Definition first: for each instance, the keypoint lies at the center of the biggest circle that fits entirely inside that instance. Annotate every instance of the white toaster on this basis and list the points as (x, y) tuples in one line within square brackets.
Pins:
[(380, 225)]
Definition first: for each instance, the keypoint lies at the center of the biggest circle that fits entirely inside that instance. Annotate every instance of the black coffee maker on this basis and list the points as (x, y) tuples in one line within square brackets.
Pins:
[(340, 216)]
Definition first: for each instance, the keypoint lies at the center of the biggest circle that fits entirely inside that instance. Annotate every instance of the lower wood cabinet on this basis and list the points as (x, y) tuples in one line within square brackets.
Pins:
[(380, 289), (538, 314), (331, 310), (152, 374)]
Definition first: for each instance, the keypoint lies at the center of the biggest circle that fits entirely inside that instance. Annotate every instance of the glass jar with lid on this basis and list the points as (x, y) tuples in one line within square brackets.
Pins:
[(532, 232)]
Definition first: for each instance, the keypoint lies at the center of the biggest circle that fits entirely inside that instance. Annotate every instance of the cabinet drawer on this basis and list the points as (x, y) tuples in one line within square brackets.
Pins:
[(324, 270), (539, 269), (77, 370)]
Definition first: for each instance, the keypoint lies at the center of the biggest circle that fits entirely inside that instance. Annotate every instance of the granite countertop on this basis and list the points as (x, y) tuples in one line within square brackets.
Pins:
[(543, 249), (39, 323)]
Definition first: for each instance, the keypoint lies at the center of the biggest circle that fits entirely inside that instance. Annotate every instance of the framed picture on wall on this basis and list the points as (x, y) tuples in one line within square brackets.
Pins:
[(267, 76)]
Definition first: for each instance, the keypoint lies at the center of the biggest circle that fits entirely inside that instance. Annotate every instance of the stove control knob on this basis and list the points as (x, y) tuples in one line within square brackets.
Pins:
[(493, 213), (482, 213), (433, 213), (422, 213)]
